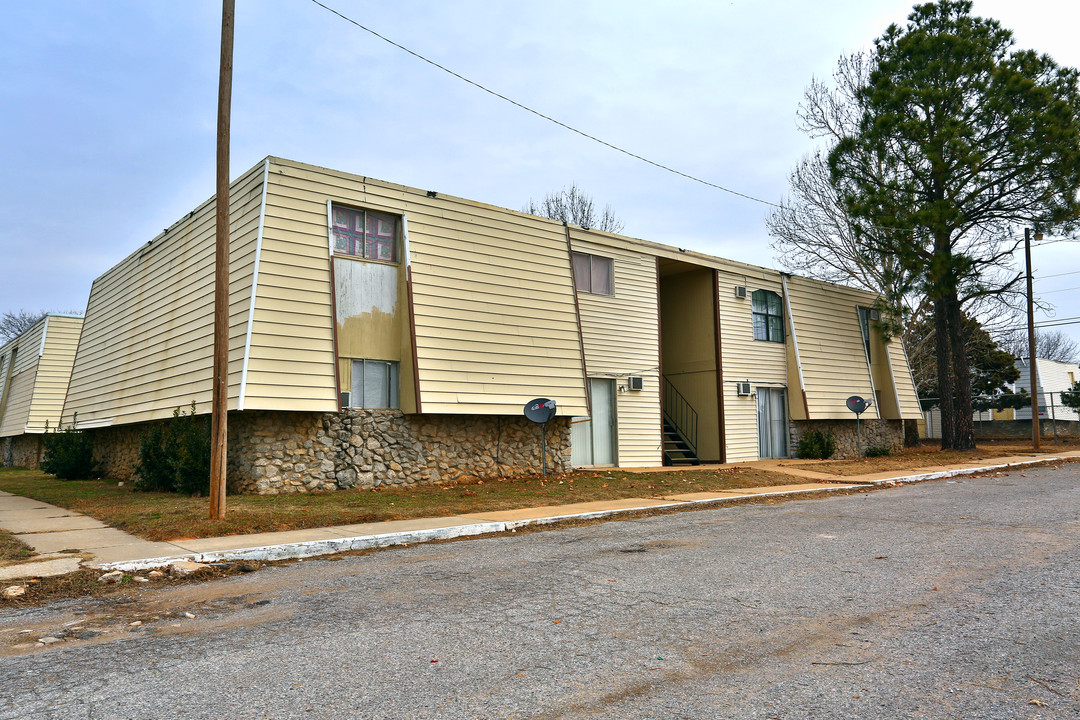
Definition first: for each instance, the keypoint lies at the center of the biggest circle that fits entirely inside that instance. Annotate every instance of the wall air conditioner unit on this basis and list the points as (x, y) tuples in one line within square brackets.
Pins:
[(875, 315), (635, 382), (743, 389), (740, 292), (345, 398)]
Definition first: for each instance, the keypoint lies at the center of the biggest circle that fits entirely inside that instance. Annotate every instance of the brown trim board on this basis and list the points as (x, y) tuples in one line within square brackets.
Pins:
[(719, 366), (580, 339)]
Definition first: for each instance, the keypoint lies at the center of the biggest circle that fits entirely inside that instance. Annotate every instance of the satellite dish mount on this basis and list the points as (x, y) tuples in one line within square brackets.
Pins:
[(858, 406), (540, 410)]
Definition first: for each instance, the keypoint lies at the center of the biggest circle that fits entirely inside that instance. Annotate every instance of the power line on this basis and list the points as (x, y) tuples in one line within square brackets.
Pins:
[(542, 115), (1043, 277), (1049, 292)]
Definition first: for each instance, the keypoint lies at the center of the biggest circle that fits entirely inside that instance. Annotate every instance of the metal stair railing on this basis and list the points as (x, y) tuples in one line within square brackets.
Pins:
[(680, 415)]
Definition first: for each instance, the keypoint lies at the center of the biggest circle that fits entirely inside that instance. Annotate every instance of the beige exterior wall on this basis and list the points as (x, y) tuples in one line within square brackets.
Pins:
[(830, 343), (761, 362), (494, 310), (620, 337), (17, 406), (146, 344), (291, 362), (34, 392), (53, 371), (486, 292)]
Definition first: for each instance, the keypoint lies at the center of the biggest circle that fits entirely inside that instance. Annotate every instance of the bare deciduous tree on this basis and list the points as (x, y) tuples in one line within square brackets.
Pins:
[(1049, 345), (577, 208), (813, 233), (14, 324)]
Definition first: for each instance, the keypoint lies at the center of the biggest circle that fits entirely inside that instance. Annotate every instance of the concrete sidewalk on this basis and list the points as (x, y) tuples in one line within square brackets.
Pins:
[(68, 540)]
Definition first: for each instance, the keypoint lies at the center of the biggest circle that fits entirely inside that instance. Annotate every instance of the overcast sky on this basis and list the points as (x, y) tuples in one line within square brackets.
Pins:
[(108, 112)]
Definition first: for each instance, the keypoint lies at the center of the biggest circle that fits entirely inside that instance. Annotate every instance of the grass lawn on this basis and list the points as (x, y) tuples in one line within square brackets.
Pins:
[(13, 551), (162, 516), (930, 454)]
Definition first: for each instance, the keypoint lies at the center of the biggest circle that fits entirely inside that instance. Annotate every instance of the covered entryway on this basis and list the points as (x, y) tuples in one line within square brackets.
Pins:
[(592, 440)]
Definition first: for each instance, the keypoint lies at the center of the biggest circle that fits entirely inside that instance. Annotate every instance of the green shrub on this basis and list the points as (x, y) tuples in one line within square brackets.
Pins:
[(69, 453), (155, 469), (191, 439), (816, 445), (174, 456), (877, 451)]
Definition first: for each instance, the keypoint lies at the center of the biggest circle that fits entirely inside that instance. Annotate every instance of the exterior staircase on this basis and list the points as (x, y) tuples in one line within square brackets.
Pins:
[(676, 450), (680, 428)]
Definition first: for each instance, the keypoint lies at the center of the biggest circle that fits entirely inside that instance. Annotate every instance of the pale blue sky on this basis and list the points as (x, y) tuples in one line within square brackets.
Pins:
[(107, 110)]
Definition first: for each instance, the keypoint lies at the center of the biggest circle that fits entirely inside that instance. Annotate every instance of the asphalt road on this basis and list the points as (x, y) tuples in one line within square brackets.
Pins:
[(938, 600)]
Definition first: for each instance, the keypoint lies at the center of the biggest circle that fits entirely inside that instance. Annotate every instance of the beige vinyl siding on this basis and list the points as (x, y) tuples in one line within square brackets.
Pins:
[(17, 407), (146, 346), (53, 372), (491, 288), (20, 389), (744, 358), (905, 385), (29, 344), (826, 321), (291, 362), (621, 337)]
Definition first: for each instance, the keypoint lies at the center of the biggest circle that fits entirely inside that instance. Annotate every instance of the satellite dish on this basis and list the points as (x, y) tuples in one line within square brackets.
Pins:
[(540, 410), (857, 404)]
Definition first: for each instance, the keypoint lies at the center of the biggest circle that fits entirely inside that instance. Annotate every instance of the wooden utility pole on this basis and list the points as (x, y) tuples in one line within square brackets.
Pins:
[(219, 422), (1033, 378)]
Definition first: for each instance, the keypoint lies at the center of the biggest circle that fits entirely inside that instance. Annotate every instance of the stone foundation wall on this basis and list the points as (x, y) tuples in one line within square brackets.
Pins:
[(275, 452), (287, 452), (21, 451), (875, 433), (116, 449)]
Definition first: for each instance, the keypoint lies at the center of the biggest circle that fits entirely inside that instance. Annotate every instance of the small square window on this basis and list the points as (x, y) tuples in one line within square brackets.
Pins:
[(364, 234), (593, 273)]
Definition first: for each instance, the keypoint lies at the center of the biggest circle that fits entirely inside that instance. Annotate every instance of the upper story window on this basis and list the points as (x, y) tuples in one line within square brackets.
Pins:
[(365, 234), (768, 316), (594, 274), (864, 325)]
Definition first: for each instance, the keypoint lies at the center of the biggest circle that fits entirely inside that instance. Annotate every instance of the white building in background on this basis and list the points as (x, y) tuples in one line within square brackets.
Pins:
[(1054, 377)]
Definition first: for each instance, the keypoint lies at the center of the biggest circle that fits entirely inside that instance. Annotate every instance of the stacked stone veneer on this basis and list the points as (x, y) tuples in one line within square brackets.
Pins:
[(291, 452), (116, 449), (21, 451), (875, 433)]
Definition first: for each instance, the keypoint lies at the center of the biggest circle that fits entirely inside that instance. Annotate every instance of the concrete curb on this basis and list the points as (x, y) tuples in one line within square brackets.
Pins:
[(959, 472), (315, 548)]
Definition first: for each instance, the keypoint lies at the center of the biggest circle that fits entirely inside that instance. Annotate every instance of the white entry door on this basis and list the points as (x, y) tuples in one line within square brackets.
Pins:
[(592, 440), (772, 422)]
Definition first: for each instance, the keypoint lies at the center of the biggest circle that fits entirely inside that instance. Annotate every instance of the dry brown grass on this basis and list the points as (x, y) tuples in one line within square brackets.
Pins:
[(13, 550), (929, 455), (161, 516)]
